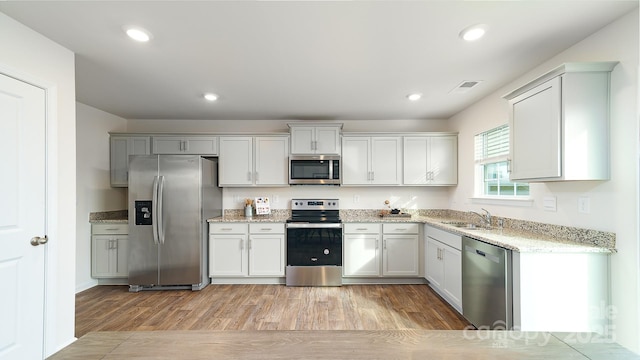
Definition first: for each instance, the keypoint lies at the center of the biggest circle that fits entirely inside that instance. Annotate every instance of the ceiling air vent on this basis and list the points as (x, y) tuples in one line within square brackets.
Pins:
[(465, 86)]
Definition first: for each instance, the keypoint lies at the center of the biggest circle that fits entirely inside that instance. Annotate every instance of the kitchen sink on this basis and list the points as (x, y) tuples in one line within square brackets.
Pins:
[(461, 224)]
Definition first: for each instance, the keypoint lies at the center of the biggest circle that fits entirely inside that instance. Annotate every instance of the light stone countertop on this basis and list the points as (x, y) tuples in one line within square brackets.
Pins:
[(519, 240), (546, 238), (109, 217), (512, 239), (253, 219)]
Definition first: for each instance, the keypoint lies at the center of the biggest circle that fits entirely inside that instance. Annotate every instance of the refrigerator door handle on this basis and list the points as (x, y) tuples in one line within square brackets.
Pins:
[(160, 212), (154, 211)]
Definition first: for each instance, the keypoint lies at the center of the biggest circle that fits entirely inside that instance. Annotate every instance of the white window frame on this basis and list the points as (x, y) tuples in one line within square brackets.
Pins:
[(482, 158)]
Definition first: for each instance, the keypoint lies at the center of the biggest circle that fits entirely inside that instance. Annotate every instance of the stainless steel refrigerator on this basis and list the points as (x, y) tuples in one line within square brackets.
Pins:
[(170, 199)]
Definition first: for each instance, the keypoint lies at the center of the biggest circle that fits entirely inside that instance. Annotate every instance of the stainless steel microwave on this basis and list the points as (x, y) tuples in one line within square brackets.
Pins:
[(314, 170)]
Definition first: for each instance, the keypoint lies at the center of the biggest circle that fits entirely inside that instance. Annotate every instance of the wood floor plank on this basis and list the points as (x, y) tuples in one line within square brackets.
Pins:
[(265, 307)]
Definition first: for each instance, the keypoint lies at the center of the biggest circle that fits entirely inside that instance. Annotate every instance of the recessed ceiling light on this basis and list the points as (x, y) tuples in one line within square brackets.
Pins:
[(414, 97), (473, 32), (138, 34), (211, 96)]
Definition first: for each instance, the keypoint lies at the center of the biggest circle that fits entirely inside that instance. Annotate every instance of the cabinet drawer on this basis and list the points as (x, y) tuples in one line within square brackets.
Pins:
[(266, 228), (400, 228), (228, 228), (109, 229), (445, 237), (362, 228)]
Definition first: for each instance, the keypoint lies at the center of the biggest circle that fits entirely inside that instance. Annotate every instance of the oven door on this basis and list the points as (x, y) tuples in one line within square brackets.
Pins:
[(314, 244)]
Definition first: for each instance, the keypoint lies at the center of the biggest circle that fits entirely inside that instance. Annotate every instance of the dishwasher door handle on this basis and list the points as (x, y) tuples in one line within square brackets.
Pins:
[(478, 252)]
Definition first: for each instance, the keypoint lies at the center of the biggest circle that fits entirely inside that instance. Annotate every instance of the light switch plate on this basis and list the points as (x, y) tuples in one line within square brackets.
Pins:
[(549, 203), (584, 204)]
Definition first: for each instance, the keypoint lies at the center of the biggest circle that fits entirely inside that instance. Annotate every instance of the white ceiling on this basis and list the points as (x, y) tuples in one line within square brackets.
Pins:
[(305, 59)]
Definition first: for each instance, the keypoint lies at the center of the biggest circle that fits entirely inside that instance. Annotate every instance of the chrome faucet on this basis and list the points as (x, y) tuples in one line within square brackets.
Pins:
[(486, 217)]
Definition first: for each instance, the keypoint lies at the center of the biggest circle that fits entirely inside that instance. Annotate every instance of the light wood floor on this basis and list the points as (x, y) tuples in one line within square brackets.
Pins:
[(337, 345), (351, 322), (265, 307)]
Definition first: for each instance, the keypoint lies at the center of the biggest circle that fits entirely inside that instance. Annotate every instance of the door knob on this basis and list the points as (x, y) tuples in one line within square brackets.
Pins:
[(37, 240)]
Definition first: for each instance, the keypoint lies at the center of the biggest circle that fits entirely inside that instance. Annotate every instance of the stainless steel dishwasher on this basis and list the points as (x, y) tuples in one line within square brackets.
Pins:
[(487, 293)]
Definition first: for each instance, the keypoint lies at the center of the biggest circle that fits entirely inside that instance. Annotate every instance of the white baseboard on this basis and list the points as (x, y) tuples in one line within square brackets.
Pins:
[(85, 286)]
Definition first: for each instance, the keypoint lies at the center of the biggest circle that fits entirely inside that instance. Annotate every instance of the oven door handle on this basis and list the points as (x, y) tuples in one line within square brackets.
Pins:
[(314, 225)]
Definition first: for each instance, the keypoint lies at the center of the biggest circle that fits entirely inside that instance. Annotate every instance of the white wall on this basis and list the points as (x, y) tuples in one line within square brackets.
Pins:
[(28, 55), (614, 203), (93, 190)]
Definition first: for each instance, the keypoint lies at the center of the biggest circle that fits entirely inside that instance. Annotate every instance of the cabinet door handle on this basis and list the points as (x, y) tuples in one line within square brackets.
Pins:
[(384, 244), (361, 229), (377, 244), (248, 175), (186, 145), (256, 176), (225, 229), (241, 244), (265, 229), (249, 244)]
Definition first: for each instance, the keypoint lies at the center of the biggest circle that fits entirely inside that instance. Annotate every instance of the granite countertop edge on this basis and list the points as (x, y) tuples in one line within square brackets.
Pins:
[(110, 221), (520, 241), (511, 239)]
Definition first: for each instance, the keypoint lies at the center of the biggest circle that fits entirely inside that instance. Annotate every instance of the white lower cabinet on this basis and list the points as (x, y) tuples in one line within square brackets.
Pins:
[(374, 250), (109, 244), (266, 249), (241, 249), (400, 249), (361, 250), (443, 264)]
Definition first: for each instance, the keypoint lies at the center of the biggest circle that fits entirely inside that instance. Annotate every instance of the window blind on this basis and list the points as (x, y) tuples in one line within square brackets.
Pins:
[(492, 144)]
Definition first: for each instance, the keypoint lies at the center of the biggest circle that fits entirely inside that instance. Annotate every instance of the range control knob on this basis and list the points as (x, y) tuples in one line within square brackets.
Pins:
[(326, 251)]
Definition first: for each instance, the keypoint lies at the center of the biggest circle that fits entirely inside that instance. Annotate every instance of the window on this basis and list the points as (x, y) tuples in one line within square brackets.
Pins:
[(491, 152)]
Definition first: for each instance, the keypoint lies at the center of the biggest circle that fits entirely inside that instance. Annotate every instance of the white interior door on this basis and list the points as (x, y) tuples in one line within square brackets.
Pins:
[(22, 218)]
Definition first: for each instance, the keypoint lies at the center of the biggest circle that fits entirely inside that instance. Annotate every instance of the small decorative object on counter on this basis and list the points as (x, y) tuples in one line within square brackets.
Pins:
[(386, 210), (262, 206), (248, 210)]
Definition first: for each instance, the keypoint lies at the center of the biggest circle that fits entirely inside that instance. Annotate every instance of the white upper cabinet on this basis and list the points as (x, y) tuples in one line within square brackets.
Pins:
[(193, 145), (315, 139), (430, 160), (254, 161), (121, 148), (371, 160), (272, 161), (559, 125)]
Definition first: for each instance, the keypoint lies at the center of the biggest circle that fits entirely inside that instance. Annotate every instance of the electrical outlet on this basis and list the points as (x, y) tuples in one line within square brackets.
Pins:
[(356, 199), (584, 204), (275, 199)]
